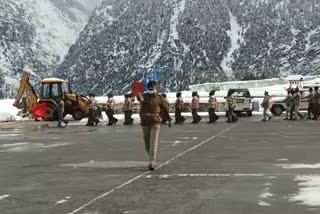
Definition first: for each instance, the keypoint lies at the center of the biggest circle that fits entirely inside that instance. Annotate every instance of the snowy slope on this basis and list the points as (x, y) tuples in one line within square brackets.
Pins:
[(35, 35), (205, 41)]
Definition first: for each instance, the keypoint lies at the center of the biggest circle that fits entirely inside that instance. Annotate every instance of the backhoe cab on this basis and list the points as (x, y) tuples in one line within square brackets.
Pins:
[(52, 90)]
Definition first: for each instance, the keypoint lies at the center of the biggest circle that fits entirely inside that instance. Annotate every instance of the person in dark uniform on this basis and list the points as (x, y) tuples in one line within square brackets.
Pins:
[(179, 119), (128, 109), (92, 117), (111, 105), (195, 107), (166, 100), (212, 106), (151, 104)]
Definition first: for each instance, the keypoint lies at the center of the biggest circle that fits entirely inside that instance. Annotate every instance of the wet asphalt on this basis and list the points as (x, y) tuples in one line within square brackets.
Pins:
[(205, 168)]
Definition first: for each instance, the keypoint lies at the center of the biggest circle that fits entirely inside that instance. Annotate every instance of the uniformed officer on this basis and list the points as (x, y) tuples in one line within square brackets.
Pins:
[(231, 105), (179, 119), (266, 105), (296, 100), (128, 109), (111, 105), (309, 102), (195, 108), (166, 101), (151, 106), (212, 106), (316, 103), (288, 102), (61, 113)]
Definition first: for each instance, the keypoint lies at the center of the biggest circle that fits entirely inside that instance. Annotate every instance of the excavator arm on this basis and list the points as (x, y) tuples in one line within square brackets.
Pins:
[(26, 87)]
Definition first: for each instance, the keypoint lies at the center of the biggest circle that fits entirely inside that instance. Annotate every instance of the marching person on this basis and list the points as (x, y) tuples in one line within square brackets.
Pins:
[(231, 102), (111, 105), (316, 103), (151, 104), (195, 107), (296, 100), (266, 105), (166, 100), (92, 117), (179, 119), (288, 102), (128, 109), (309, 102), (212, 106), (61, 113)]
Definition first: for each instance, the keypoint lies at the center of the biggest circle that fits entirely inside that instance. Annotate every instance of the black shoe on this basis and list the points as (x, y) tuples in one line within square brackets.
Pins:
[(263, 120), (151, 167), (109, 124), (269, 118), (210, 122)]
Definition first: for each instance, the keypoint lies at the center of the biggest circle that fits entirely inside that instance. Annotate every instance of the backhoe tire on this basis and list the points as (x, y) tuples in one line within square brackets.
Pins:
[(78, 115)]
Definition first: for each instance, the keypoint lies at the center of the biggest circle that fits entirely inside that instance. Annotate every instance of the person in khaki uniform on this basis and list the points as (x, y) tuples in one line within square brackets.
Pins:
[(195, 107), (61, 113), (316, 103), (266, 105), (309, 102), (288, 102), (231, 105), (166, 100), (92, 117), (111, 105), (151, 104), (179, 119), (212, 106), (128, 109), (296, 100)]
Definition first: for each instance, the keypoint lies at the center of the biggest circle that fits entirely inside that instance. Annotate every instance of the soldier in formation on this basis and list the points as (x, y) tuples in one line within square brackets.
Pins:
[(288, 102), (266, 105), (315, 100), (231, 105), (167, 104), (61, 113), (212, 106), (296, 100), (111, 105), (179, 119), (195, 108), (128, 109), (93, 108), (151, 104)]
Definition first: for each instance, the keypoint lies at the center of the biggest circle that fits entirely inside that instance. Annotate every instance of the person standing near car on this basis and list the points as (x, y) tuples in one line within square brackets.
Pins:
[(195, 108), (266, 105), (296, 100), (309, 102), (151, 104), (231, 105), (212, 106), (288, 103)]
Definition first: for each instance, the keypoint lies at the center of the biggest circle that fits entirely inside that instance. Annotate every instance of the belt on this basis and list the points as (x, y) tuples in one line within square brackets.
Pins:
[(150, 114)]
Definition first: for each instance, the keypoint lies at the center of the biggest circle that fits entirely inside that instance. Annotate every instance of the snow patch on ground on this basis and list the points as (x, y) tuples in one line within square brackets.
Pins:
[(264, 204), (3, 197), (299, 166), (282, 160), (309, 188), (7, 111)]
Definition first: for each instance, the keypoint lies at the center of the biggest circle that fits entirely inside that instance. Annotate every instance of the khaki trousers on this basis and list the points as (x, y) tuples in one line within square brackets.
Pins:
[(151, 140), (266, 116)]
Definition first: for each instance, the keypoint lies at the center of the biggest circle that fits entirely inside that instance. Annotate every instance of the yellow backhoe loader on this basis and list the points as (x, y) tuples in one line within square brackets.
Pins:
[(52, 90)]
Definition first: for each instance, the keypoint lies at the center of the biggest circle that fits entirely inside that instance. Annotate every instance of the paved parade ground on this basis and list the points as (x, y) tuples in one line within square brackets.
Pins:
[(246, 168)]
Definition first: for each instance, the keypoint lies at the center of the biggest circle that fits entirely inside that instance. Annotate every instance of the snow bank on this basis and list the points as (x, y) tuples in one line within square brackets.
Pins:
[(7, 111), (309, 188)]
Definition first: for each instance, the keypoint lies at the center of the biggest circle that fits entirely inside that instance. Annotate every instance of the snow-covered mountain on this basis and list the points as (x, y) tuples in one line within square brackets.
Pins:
[(205, 41), (35, 35)]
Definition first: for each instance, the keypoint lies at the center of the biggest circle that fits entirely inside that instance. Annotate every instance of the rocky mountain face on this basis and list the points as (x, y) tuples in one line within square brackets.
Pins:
[(205, 41), (35, 35)]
